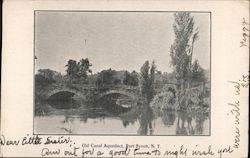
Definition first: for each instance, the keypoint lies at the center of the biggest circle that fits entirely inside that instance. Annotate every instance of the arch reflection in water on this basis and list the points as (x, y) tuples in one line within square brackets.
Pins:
[(108, 118)]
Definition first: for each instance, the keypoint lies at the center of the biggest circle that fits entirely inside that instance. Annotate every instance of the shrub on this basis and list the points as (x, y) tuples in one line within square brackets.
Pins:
[(163, 101)]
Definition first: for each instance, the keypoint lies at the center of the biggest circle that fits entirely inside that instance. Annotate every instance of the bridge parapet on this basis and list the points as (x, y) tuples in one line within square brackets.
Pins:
[(84, 89)]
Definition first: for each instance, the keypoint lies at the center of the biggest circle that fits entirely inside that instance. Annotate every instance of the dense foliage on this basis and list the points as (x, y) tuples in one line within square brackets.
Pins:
[(147, 79), (45, 77), (181, 50), (131, 79), (165, 101), (78, 70)]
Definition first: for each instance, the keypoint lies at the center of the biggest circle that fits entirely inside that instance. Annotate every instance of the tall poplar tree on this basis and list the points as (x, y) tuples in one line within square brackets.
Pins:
[(181, 50), (147, 80)]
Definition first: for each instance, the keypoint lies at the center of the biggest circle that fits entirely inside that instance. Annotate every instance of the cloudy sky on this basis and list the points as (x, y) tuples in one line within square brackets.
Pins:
[(117, 40)]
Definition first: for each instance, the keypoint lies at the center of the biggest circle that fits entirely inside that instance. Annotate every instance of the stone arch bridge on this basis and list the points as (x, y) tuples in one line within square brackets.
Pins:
[(81, 90)]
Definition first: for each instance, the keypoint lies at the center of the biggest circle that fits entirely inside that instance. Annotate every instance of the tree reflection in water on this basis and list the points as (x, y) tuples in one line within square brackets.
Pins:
[(145, 120), (199, 120), (169, 117), (186, 119), (130, 117), (191, 122)]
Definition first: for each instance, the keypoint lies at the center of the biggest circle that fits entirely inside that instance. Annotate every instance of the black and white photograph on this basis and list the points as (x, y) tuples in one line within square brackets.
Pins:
[(122, 73)]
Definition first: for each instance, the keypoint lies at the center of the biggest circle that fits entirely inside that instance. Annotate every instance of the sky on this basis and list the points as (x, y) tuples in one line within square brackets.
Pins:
[(116, 40)]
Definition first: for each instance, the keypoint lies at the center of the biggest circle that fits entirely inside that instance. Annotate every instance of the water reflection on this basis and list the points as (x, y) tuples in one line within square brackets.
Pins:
[(110, 118), (184, 123), (130, 117), (145, 120), (67, 104), (200, 118), (169, 118)]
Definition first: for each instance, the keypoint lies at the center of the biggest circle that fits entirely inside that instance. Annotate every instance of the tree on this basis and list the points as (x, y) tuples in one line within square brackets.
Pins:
[(46, 73), (130, 79), (58, 77), (45, 77), (84, 68), (134, 79), (78, 70), (197, 73), (147, 81), (194, 38), (126, 80), (105, 77), (152, 79), (144, 80), (181, 50), (72, 68)]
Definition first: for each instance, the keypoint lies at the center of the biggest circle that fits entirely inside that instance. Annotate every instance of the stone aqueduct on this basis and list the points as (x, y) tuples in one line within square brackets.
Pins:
[(81, 90)]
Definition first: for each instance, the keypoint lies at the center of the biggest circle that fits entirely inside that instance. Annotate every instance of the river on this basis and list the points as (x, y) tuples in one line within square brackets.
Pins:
[(115, 120)]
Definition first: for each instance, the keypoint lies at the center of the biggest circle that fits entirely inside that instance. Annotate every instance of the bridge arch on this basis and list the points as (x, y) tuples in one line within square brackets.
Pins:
[(133, 96), (65, 89)]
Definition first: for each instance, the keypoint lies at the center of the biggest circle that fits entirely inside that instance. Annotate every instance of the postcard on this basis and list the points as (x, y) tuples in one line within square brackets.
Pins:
[(166, 79)]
